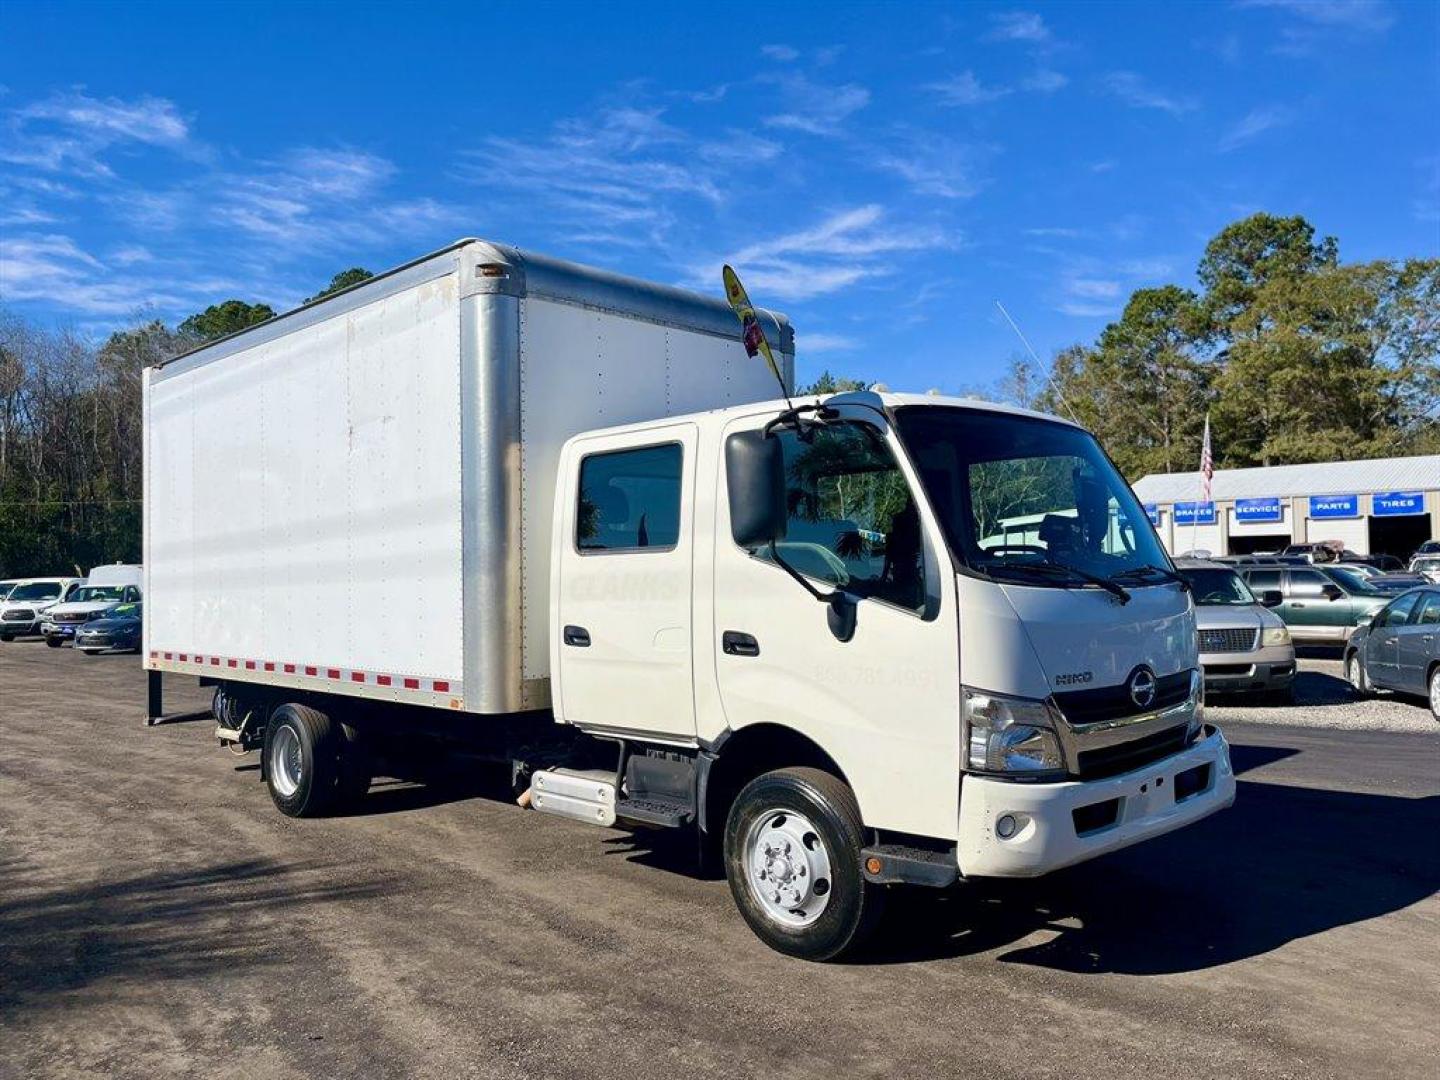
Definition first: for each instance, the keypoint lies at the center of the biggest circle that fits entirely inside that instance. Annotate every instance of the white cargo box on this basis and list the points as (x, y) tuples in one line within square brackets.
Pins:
[(356, 496)]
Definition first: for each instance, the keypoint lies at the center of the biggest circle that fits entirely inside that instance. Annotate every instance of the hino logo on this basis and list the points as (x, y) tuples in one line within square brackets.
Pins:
[(1142, 687), (1073, 678)]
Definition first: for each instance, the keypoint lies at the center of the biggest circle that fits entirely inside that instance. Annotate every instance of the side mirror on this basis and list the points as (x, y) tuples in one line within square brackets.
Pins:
[(1365, 620), (1272, 598), (755, 478), (1331, 592)]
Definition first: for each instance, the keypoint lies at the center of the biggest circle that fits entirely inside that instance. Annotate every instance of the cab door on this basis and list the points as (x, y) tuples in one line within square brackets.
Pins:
[(624, 587), (1382, 646), (1312, 608), (1415, 642), (884, 704)]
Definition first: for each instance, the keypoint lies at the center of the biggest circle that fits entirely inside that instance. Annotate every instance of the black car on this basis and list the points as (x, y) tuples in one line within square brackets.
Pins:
[(117, 629)]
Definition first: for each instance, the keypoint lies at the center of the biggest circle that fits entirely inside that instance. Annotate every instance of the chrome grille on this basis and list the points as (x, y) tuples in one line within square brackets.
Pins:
[(71, 617), (19, 615), (1229, 639)]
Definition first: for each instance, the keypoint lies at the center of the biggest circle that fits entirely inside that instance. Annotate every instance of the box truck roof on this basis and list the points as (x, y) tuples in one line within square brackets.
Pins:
[(115, 574), (501, 269)]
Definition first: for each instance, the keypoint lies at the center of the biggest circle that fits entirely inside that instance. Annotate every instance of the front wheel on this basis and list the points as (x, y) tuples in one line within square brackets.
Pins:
[(1356, 677), (1435, 693), (792, 857), (301, 759)]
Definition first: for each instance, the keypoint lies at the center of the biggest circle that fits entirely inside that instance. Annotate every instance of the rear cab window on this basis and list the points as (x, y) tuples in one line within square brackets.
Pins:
[(629, 500)]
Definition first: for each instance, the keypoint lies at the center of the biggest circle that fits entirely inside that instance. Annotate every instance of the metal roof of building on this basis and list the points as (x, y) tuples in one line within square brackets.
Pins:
[(1319, 478)]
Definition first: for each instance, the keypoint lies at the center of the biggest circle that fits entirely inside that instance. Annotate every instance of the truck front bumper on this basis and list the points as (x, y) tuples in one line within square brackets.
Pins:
[(1057, 825)]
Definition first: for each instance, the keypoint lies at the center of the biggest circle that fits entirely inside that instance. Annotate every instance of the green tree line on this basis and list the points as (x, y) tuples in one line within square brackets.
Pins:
[(70, 426), (1294, 355)]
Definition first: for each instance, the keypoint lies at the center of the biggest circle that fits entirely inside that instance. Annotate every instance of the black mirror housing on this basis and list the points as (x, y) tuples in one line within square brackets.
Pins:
[(755, 483), (1272, 598)]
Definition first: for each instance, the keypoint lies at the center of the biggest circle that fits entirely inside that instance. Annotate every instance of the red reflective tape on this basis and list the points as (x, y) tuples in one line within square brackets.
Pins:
[(441, 687), (154, 655), (269, 666), (249, 665), (383, 680), (183, 658), (232, 663), (167, 656), (214, 661), (333, 673), (310, 670), (412, 684), (289, 669), (357, 676)]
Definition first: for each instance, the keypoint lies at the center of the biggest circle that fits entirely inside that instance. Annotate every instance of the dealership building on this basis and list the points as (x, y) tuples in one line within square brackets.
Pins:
[(1385, 506)]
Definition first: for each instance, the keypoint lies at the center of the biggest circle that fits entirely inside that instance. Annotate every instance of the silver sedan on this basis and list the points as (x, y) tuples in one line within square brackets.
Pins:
[(1400, 648)]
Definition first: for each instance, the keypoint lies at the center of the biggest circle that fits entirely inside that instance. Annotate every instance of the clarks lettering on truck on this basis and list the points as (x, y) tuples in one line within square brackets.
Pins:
[(851, 643)]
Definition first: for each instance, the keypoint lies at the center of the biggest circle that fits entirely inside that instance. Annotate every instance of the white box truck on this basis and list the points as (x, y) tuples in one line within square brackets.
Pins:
[(496, 502)]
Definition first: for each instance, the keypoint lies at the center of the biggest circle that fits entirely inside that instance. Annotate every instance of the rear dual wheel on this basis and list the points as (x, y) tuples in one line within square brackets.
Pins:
[(312, 765)]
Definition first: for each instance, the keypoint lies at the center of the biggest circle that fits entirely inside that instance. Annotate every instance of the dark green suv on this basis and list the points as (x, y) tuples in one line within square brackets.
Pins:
[(1322, 605)]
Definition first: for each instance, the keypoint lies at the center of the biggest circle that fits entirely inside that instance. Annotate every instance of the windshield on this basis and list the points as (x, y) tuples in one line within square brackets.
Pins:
[(36, 590), (126, 611), (1212, 585), (96, 592), (1014, 493)]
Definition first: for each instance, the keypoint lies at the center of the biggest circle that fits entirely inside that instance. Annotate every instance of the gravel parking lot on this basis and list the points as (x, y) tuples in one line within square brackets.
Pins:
[(159, 918)]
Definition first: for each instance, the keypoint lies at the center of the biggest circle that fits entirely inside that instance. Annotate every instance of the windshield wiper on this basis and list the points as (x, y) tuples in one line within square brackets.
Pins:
[(1168, 575), (1052, 568)]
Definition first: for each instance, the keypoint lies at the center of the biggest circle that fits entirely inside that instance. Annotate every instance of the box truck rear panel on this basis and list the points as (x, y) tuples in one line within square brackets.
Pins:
[(357, 497)]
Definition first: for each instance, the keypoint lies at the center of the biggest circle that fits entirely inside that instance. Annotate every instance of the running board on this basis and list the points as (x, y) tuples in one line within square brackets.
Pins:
[(581, 794), (655, 810)]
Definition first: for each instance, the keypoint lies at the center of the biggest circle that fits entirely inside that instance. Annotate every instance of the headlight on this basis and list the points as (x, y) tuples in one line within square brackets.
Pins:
[(1275, 635), (1010, 735)]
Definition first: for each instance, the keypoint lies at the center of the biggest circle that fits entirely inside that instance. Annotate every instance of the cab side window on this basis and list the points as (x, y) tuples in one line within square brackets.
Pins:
[(852, 521), (1263, 580), (629, 500), (1308, 583)]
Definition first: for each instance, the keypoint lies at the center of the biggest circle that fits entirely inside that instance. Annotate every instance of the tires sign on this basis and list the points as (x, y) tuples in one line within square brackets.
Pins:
[(1397, 503)]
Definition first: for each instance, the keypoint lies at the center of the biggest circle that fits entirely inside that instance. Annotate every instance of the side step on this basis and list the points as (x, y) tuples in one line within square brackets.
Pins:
[(582, 794), (658, 810)]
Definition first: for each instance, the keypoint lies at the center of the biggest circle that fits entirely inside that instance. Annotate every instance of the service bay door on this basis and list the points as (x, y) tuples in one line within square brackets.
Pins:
[(625, 585)]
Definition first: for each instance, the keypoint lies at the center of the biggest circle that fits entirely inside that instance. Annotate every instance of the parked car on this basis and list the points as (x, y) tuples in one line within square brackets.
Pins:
[(24, 609), (1384, 563), (1262, 560), (1243, 646), (1427, 566), (103, 589), (1320, 605), (1321, 551), (118, 629), (1429, 547), (1400, 648)]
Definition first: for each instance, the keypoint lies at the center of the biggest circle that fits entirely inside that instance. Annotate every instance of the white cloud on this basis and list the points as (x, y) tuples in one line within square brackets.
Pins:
[(1024, 26), (807, 342), (1138, 94), (1254, 124), (1093, 288), (935, 165), (840, 251), (1367, 16), (1045, 81), (1056, 231), (782, 53), (69, 132), (965, 89), (816, 108)]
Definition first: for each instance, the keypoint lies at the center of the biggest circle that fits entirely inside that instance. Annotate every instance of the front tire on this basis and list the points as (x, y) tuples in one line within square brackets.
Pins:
[(1435, 692), (301, 757), (1356, 677), (792, 857)]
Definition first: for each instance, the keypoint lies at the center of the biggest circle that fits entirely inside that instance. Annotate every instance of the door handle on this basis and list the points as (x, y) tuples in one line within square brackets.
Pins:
[(577, 636), (735, 643)]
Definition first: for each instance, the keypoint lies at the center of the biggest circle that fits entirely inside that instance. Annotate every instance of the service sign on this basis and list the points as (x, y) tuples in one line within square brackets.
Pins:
[(1152, 511), (1334, 506), (1195, 513), (1248, 511), (1395, 503)]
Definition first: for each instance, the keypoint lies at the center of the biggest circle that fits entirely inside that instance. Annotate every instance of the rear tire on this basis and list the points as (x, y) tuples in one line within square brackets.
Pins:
[(301, 756), (796, 834)]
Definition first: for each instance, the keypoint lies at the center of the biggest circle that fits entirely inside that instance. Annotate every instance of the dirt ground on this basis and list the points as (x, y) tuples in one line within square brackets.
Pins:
[(159, 918)]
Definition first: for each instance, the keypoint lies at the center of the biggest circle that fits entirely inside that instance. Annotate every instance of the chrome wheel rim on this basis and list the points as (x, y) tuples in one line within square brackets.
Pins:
[(1435, 693), (1354, 672), (287, 763), (788, 868)]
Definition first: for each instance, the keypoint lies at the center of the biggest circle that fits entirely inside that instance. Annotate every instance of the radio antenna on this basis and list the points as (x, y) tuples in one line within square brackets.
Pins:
[(1049, 380)]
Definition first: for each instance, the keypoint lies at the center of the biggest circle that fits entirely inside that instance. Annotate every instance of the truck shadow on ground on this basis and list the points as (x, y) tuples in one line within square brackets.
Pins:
[(62, 938), (1285, 862)]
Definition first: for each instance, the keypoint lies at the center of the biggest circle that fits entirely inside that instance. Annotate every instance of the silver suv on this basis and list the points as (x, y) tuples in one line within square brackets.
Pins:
[(1244, 647)]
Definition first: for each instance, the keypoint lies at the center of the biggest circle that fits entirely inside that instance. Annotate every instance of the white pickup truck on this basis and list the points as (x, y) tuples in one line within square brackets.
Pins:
[(498, 501)]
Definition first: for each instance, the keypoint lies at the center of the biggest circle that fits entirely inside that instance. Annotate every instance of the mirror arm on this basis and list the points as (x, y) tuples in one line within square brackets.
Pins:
[(824, 598)]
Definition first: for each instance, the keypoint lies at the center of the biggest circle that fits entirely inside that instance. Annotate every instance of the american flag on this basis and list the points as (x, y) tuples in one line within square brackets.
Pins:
[(1207, 463)]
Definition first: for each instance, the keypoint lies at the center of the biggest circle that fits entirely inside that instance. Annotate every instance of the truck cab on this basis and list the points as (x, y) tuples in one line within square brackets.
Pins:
[(958, 610)]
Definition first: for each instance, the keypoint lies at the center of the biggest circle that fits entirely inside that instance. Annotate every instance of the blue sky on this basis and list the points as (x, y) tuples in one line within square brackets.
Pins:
[(882, 173)]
